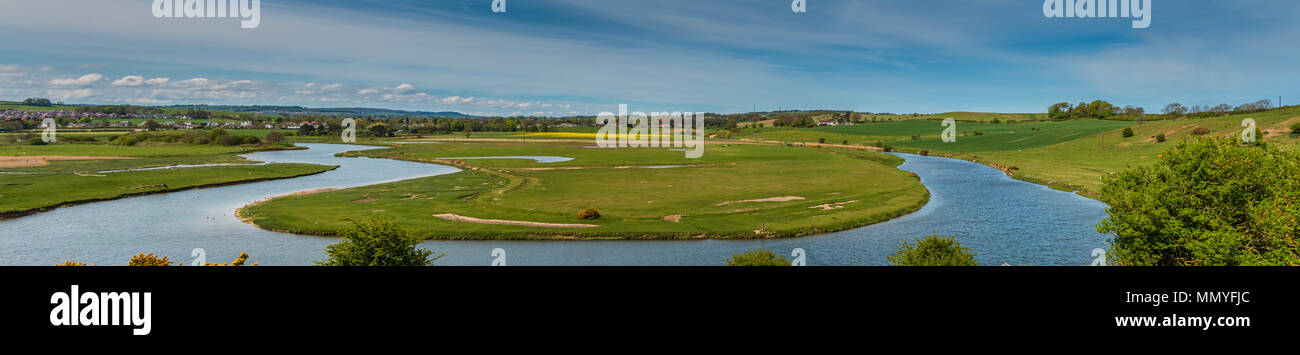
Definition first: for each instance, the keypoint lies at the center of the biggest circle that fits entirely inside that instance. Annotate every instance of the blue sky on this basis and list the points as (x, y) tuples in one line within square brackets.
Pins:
[(566, 57)]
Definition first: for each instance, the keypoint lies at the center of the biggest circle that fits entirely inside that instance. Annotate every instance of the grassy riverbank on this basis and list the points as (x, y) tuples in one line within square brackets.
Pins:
[(735, 191), (37, 178)]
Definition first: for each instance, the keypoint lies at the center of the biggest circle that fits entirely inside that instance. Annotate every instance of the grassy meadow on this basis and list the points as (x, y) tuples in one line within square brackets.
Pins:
[(734, 191), (1070, 155), (39, 177), (1079, 164)]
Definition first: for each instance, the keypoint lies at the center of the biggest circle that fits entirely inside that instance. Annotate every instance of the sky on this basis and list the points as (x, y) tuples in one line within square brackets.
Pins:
[(581, 57)]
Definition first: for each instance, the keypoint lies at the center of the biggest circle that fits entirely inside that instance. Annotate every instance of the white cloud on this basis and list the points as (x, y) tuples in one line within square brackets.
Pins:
[(84, 80), (157, 81), (65, 95), (312, 89), (129, 80)]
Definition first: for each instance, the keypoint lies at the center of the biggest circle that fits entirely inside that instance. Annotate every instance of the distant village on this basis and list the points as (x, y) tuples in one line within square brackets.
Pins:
[(71, 119)]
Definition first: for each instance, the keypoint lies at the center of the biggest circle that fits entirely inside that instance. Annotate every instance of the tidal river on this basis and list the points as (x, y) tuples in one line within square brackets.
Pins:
[(1004, 220)]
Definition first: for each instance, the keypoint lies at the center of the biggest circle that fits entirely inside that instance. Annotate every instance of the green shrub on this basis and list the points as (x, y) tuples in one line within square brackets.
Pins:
[(274, 137), (589, 214), (933, 251), (1201, 131), (1128, 132), (36, 141), (377, 241), (1295, 128), (1160, 138), (757, 258), (1209, 201)]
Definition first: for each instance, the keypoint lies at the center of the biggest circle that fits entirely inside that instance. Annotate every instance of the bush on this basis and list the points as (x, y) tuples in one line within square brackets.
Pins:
[(933, 251), (36, 141), (757, 258), (978, 133), (274, 137), (1128, 132), (143, 259), (1208, 201), (1160, 138), (377, 241), (589, 214), (1295, 128), (916, 138), (1201, 131)]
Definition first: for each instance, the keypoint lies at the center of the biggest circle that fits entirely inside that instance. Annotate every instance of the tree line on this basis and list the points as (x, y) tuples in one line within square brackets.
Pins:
[(1102, 110)]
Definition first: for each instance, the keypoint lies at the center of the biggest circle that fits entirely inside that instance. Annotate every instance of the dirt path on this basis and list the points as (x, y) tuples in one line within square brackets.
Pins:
[(43, 160), (458, 218), (769, 199)]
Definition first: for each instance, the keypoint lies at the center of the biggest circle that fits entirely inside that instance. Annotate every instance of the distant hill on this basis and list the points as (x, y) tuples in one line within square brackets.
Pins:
[(340, 111)]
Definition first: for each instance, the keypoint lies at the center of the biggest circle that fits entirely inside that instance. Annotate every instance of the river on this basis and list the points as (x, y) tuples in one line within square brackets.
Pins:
[(1002, 219)]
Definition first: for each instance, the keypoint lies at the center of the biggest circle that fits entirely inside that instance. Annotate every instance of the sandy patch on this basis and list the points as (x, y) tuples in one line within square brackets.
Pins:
[(769, 199), (551, 169), (1281, 129), (674, 218), (36, 160), (308, 192), (458, 218), (832, 206)]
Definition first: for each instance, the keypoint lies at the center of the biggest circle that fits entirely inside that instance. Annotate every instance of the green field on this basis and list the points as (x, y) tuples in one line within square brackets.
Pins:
[(699, 198), (29, 189), (1079, 164), (23, 194), (994, 137), (1070, 155)]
